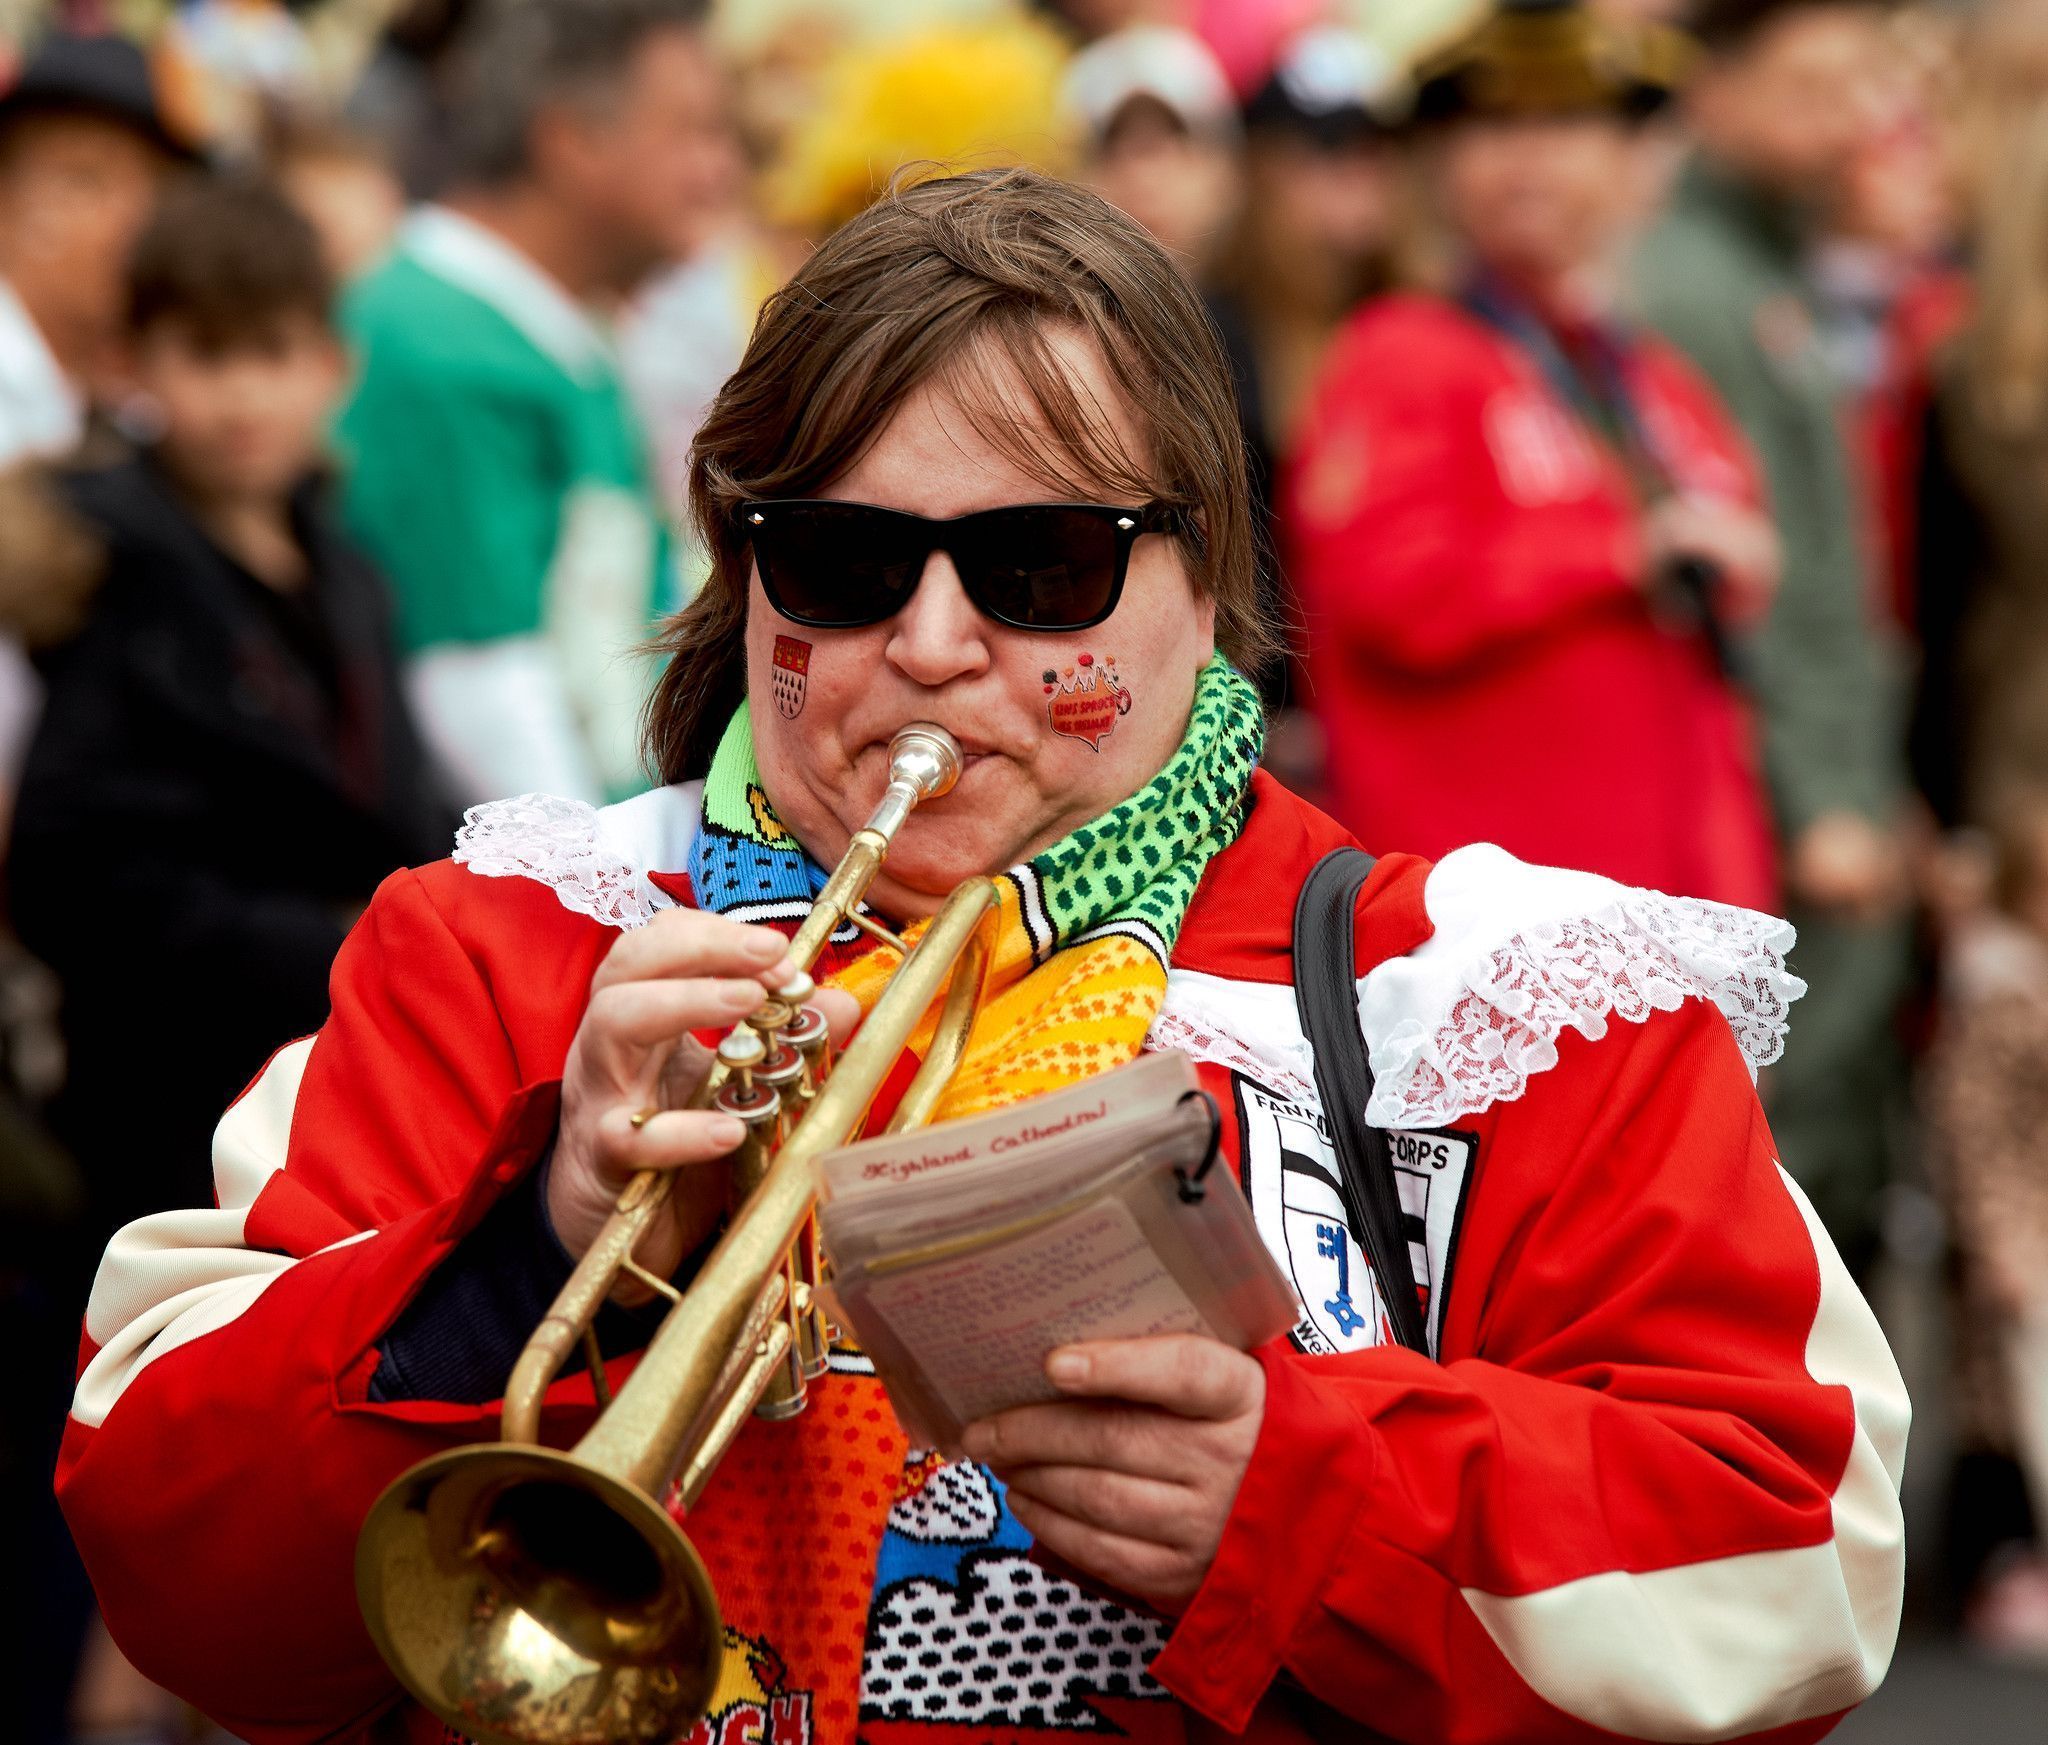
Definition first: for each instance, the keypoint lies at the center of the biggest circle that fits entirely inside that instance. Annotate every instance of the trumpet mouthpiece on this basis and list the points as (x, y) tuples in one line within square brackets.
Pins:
[(927, 758), (924, 762)]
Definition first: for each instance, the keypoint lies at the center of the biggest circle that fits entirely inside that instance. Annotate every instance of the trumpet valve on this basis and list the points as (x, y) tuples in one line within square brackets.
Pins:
[(811, 1037), (781, 1070), (740, 1050)]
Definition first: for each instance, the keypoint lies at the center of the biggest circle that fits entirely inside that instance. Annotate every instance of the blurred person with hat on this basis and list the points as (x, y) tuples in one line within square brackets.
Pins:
[(84, 145), (1160, 135), (494, 467), (1782, 105), (1320, 216), (1320, 212), (1522, 530)]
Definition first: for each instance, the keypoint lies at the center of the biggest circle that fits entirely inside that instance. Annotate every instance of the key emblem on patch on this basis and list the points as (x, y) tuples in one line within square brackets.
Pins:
[(1331, 1245), (792, 669)]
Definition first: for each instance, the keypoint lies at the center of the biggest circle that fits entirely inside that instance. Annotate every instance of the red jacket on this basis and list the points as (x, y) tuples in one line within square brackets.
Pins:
[(1647, 1487), (1485, 665)]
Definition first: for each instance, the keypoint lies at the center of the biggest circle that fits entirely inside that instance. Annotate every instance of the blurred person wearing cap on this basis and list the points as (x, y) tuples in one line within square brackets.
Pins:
[(1319, 220), (1781, 108), (494, 467), (84, 145), (1522, 530), (1160, 135)]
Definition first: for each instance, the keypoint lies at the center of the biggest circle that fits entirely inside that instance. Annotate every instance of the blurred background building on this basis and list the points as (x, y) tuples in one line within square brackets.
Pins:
[(1648, 407)]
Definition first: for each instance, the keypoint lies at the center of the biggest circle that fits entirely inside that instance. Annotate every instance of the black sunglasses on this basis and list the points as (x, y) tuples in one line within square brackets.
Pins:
[(1032, 566)]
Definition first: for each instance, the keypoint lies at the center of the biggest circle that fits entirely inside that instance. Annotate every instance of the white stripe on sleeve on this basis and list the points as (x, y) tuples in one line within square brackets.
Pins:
[(1720, 1649), (168, 1278)]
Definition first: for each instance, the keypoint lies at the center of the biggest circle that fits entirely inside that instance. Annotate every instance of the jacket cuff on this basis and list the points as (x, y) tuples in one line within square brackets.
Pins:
[(1314, 1463)]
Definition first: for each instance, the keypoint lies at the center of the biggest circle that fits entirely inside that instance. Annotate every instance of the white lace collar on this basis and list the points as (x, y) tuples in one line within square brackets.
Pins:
[(1520, 954), (596, 861)]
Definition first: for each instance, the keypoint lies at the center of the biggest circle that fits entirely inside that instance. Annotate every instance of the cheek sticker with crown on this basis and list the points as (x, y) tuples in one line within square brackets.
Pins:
[(792, 670), (1086, 700)]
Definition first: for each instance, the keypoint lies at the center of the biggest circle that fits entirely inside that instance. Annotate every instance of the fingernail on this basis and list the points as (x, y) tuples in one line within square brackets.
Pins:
[(1067, 1369), (726, 1133), (766, 944), (740, 996), (975, 1442)]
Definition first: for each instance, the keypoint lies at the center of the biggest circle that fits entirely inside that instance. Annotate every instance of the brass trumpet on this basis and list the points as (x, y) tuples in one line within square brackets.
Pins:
[(532, 1597)]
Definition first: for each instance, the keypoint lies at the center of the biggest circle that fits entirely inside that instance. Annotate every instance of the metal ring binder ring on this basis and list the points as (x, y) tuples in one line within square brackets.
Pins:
[(1191, 1189)]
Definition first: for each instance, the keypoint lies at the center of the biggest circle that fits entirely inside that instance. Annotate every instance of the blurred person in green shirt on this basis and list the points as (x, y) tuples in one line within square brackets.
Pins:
[(495, 468), (1779, 109)]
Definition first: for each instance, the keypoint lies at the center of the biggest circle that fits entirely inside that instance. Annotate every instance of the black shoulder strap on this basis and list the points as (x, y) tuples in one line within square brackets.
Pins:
[(1326, 994)]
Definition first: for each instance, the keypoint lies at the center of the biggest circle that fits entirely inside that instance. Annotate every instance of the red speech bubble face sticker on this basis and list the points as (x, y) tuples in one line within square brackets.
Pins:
[(1086, 700)]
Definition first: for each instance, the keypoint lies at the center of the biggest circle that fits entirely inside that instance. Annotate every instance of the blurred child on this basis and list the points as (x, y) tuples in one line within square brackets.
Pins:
[(224, 770), (1988, 1102)]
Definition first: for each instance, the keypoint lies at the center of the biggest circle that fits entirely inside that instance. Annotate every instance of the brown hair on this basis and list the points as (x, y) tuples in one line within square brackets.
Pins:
[(963, 275), (230, 259)]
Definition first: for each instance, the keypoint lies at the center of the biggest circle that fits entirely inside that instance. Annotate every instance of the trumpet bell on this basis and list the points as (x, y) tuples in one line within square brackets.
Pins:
[(528, 1598)]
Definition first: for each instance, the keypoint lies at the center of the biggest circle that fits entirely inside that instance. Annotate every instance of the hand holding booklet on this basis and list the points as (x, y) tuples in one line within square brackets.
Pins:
[(963, 1255)]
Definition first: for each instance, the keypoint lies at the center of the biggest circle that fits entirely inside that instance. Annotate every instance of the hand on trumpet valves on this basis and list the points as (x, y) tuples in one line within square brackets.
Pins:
[(684, 971)]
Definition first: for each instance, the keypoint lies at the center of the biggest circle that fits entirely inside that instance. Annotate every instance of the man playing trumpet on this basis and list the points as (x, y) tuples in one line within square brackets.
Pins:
[(1643, 1484)]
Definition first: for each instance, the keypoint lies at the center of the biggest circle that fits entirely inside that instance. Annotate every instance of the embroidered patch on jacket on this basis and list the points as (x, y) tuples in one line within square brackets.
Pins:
[(1291, 1179)]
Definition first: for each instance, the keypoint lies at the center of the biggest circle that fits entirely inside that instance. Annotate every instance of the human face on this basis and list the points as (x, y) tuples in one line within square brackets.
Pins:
[(1180, 186), (654, 169), (1541, 199), (243, 423), (825, 763), (74, 192), (1321, 215), (1793, 107)]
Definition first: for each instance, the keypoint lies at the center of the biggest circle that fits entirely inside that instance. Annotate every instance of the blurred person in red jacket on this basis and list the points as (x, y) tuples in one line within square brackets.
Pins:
[(1522, 531)]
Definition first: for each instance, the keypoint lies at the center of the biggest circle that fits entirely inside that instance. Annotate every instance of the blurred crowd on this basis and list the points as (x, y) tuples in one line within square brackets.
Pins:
[(1648, 410)]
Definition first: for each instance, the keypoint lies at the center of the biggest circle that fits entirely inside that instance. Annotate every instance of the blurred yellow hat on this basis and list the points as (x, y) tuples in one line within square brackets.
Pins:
[(960, 96)]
